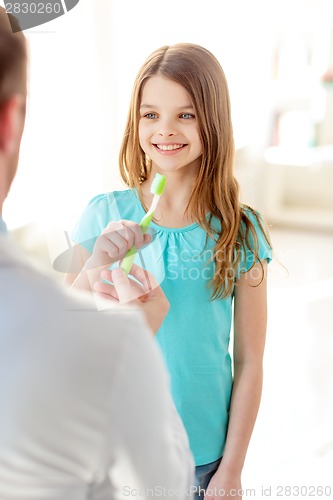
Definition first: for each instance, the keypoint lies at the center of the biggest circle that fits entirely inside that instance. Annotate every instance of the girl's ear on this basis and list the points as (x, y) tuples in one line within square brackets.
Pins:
[(12, 116)]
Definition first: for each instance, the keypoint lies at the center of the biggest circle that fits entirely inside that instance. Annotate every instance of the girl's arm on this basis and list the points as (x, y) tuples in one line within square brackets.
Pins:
[(250, 316)]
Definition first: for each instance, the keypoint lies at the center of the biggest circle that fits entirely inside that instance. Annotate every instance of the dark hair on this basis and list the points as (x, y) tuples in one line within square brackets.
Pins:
[(13, 58)]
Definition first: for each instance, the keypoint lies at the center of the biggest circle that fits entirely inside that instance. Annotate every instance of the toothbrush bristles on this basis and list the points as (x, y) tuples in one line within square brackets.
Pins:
[(158, 184)]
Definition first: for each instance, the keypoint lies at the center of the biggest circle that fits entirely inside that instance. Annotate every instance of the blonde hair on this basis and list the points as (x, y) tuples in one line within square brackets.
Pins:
[(215, 189)]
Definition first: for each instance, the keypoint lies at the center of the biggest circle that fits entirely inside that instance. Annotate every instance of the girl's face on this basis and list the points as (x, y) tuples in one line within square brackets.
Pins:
[(168, 127)]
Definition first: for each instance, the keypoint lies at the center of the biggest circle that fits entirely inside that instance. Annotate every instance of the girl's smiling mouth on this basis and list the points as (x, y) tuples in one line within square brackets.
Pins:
[(170, 148)]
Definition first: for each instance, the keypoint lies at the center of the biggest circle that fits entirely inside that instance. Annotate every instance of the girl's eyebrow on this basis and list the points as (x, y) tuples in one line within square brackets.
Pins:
[(189, 106)]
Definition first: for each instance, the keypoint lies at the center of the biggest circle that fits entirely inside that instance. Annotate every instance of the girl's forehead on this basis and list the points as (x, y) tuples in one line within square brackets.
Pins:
[(160, 88)]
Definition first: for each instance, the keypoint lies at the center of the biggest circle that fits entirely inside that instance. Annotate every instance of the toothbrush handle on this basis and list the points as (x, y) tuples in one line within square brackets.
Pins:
[(129, 258)]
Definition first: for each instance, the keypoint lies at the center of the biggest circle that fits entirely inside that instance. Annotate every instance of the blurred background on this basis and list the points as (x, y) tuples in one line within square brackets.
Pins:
[(278, 60)]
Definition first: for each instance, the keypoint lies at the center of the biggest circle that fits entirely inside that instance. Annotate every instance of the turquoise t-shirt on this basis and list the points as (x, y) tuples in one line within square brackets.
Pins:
[(194, 337)]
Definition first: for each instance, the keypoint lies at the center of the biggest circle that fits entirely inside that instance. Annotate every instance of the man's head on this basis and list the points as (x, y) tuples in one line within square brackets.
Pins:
[(13, 90)]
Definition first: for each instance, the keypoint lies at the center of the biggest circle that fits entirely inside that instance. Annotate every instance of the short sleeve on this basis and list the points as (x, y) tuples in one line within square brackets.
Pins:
[(264, 248), (95, 217)]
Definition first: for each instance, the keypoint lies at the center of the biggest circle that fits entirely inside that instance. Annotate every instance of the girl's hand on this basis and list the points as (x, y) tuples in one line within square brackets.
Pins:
[(115, 240), (224, 485), (147, 294)]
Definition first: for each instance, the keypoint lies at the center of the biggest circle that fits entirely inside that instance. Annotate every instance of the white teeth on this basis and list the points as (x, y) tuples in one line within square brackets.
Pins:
[(170, 147)]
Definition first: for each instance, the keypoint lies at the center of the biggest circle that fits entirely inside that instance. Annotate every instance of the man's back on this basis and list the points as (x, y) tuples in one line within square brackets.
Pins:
[(79, 389)]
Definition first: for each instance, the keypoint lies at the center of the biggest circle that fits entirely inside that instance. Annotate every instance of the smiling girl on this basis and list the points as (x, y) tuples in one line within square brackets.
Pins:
[(208, 250)]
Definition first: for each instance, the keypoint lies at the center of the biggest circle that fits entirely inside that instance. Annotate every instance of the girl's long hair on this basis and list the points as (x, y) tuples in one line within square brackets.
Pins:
[(215, 189)]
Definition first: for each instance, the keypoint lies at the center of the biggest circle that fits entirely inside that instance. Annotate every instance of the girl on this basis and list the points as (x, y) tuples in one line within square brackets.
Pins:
[(209, 252)]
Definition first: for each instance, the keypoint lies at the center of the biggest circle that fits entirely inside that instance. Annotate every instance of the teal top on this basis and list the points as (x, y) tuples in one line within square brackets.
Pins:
[(194, 337)]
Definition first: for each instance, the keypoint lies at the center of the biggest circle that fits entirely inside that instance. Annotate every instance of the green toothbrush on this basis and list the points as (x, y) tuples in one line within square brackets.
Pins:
[(156, 188)]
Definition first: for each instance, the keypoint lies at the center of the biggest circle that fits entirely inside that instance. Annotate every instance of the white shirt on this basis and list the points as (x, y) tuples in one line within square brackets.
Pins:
[(81, 392), (3, 228)]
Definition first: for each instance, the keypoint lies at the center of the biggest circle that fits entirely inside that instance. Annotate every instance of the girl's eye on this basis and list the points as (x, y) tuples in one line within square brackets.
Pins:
[(187, 116), (150, 116)]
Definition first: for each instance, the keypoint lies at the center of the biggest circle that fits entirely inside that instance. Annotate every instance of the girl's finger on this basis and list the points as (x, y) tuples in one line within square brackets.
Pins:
[(113, 226), (128, 229), (128, 234), (137, 232), (121, 234), (119, 242)]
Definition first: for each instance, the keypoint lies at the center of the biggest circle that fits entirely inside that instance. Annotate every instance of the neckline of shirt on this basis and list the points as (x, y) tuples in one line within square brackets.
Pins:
[(166, 229)]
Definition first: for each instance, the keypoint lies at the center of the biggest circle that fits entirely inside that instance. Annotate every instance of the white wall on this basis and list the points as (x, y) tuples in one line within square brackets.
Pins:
[(82, 69), (62, 143)]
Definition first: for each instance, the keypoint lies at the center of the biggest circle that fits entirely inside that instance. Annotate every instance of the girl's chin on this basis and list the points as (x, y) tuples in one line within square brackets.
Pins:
[(165, 167)]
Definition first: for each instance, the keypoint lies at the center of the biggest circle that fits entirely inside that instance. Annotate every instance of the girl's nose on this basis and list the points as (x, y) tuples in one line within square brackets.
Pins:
[(167, 129)]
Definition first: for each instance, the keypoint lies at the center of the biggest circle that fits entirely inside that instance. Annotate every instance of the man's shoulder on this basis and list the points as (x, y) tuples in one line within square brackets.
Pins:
[(30, 293)]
